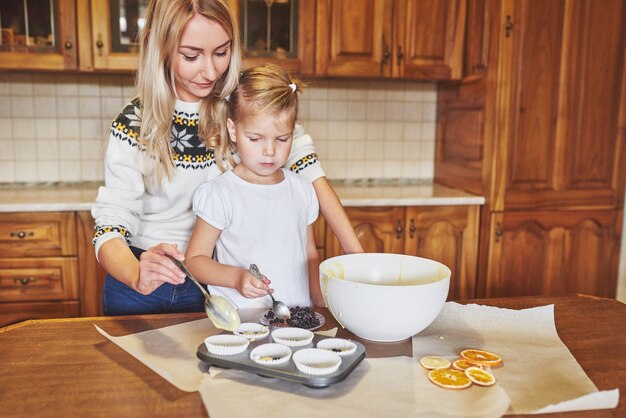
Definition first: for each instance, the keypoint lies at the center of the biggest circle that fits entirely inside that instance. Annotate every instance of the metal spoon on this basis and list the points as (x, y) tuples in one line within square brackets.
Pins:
[(219, 310), (279, 308)]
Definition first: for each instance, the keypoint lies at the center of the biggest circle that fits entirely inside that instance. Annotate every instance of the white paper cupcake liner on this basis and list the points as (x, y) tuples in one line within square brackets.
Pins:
[(292, 337), (252, 331), (270, 354), (340, 346), (316, 361), (226, 344)]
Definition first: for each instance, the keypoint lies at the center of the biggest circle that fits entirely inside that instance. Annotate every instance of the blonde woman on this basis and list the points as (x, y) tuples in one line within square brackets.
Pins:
[(259, 212), (170, 139)]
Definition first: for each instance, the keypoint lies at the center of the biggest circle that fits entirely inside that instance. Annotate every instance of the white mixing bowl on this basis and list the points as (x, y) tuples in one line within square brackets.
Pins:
[(384, 297)]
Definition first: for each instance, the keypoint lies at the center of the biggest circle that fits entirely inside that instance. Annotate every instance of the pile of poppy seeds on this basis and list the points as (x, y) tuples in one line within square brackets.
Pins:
[(300, 318)]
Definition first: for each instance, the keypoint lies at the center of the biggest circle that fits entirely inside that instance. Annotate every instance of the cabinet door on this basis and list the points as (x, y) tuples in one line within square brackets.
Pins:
[(354, 38), (429, 39), (37, 234), (563, 116), (90, 274), (448, 234), (380, 230), (115, 45), (550, 253), (282, 32), (38, 35)]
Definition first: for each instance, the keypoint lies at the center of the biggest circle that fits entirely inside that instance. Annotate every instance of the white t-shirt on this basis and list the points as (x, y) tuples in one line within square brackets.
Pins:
[(264, 225)]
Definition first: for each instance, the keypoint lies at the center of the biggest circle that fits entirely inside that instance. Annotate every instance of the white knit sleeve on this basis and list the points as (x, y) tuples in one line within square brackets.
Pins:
[(303, 157), (118, 203)]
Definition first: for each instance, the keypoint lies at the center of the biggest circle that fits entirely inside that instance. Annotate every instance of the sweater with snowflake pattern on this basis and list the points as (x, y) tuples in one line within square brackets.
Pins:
[(127, 207)]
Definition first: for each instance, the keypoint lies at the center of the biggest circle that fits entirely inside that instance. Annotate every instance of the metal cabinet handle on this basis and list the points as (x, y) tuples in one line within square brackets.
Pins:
[(24, 280), (386, 55), (399, 229), (508, 26), (22, 234), (412, 229), (99, 44), (498, 232), (399, 55), (68, 45)]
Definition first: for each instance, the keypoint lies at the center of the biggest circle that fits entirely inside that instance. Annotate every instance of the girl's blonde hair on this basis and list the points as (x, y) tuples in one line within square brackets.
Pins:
[(160, 37), (266, 88)]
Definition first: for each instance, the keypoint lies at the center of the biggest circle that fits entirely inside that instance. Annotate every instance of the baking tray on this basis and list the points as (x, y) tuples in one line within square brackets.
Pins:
[(287, 371)]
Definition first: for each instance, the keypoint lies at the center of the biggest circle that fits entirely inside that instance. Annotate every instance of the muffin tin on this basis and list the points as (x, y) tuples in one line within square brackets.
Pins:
[(287, 370)]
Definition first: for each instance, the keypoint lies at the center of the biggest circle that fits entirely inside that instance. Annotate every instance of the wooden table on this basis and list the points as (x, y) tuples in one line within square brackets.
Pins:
[(65, 368)]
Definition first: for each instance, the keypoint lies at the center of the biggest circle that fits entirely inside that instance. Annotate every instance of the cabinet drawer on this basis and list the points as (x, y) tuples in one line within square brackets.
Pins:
[(37, 234), (12, 313), (35, 279)]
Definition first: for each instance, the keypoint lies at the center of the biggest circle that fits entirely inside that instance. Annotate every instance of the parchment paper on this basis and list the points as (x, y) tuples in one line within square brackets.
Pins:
[(381, 387), (539, 371), (171, 351)]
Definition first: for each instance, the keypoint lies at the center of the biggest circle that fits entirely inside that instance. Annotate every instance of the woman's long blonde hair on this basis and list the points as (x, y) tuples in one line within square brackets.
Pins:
[(160, 37)]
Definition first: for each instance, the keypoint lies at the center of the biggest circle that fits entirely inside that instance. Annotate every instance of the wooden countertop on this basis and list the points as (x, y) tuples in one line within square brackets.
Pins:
[(54, 197), (64, 367)]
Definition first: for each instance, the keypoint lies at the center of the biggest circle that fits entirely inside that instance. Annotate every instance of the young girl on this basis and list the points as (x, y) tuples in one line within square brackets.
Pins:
[(166, 142), (258, 213)]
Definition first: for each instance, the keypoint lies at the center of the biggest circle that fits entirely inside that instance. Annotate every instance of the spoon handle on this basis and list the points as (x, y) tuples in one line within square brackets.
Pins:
[(256, 273), (185, 270)]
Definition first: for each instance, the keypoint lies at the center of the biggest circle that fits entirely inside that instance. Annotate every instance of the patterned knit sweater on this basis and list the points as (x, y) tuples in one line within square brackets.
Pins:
[(129, 208)]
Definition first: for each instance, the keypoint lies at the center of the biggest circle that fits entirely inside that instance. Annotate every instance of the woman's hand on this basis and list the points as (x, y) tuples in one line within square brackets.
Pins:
[(251, 287), (155, 268)]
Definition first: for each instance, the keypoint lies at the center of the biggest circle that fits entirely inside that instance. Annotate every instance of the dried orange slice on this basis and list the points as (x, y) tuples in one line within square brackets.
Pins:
[(434, 362), (480, 376), (449, 378), (484, 358), (461, 364)]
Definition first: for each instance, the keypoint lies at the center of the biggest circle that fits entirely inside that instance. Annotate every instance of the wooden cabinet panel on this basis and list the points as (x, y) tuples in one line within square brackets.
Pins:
[(319, 231), (354, 38), (549, 253), (477, 36), (561, 140), (448, 234), (12, 313), (30, 279), (90, 275), (380, 230), (63, 55), (413, 39), (429, 39), (39, 234), (38, 263)]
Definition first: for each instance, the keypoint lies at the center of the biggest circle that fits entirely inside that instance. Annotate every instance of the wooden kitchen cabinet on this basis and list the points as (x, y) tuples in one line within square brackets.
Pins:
[(91, 275), (38, 265), (448, 234), (553, 252), (42, 37), (538, 129), (410, 39), (114, 50)]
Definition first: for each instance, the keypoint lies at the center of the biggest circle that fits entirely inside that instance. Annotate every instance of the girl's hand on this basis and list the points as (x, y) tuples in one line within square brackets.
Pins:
[(155, 268), (251, 287)]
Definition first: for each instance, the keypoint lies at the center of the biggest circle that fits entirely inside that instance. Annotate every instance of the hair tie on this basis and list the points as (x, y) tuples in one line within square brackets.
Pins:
[(293, 87)]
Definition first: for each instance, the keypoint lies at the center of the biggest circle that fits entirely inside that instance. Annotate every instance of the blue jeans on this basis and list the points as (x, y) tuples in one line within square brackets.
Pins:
[(119, 299)]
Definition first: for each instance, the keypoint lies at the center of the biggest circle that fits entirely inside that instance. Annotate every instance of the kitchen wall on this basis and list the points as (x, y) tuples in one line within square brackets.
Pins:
[(53, 126)]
